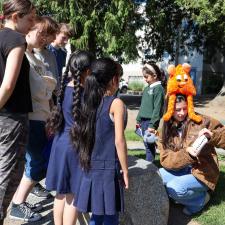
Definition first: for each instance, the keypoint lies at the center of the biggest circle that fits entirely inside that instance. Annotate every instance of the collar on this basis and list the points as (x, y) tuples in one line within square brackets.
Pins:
[(155, 84)]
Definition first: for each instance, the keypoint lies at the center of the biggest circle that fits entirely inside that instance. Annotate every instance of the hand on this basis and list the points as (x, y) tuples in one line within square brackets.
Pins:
[(191, 151), (138, 125), (206, 132), (152, 130), (126, 180)]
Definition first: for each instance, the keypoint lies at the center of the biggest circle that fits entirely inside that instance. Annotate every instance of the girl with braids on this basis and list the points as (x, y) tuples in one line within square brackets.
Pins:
[(99, 136), (151, 107), (63, 170)]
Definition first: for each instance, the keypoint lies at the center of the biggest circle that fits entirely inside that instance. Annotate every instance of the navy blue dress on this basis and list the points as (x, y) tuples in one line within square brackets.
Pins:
[(101, 189), (63, 174)]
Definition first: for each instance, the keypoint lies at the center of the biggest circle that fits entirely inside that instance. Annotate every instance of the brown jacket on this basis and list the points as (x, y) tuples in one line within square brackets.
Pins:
[(205, 166)]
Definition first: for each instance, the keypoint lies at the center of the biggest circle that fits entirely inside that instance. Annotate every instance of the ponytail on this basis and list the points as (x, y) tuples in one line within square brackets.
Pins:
[(85, 131)]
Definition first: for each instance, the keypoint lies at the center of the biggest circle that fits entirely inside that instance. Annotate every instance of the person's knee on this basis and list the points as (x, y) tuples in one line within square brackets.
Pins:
[(176, 190)]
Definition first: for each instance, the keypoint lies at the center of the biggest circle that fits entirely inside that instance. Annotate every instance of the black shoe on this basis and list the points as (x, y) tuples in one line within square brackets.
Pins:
[(40, 192), (34, 207), (23, 212)]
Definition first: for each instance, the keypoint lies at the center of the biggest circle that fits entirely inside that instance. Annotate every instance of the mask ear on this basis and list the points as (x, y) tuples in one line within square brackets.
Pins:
[(171, 70), (186, 67)]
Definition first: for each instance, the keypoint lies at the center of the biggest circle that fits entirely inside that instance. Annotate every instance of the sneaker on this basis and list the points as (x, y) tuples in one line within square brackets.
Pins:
[(23, 212), (186, 212), (207, 198), (34, 207), (40, 192)]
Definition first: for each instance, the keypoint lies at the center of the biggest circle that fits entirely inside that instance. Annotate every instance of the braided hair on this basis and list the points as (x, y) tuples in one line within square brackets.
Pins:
[(102, 72), (78, 63)]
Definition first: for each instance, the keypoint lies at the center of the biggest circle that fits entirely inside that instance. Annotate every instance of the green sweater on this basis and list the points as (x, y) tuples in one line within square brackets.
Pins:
[(152, 104)]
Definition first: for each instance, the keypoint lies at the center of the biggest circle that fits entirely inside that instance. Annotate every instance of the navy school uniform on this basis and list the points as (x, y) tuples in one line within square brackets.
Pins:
[(63, 174), (101, 188)]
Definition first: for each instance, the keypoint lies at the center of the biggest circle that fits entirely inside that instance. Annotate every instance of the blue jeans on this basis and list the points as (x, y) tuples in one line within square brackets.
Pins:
[(150, 147), (104, 219), (184, 188), (35, 167)]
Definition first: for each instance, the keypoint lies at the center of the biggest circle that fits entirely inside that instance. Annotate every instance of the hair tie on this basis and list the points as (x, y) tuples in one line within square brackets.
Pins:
[(2, 17), (151, 68)]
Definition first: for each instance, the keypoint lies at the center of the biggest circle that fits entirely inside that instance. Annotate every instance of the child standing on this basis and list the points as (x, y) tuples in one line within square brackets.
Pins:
[(151, 107), (100, 139), (63, 173), (15, 96), (58, 46), (42, 85)]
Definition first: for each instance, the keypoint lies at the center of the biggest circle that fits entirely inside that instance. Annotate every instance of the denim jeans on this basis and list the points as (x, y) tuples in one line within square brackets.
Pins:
[(104, 219), (35, 167), (184, 188), (150, 147)]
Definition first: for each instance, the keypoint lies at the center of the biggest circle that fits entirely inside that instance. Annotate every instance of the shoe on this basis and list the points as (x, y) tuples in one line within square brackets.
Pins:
[(23, 212), (34, 207), (207, 198), (186, 212), (40, 192)]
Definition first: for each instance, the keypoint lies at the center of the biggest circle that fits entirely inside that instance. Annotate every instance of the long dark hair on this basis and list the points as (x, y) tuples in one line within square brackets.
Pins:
[(102, 72), (78, 63), (169, 128)]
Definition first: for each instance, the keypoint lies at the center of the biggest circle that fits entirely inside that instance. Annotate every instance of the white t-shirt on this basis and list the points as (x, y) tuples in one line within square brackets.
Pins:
[(42, 84)]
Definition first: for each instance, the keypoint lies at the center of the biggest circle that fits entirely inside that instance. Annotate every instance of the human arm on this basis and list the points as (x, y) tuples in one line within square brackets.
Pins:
[(174, 159), (157, 108), (218, 134), (118, 111), (12, 70)]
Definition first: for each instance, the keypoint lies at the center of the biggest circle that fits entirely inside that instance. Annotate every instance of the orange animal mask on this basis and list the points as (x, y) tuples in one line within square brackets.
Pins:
[(180, 82)]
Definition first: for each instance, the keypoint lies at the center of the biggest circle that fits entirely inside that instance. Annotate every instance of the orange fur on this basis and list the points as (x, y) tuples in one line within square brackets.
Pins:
[(180, 82)]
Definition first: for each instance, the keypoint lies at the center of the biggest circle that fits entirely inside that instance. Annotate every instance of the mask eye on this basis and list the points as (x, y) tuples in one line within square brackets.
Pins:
[(178, 78), (185, 77)]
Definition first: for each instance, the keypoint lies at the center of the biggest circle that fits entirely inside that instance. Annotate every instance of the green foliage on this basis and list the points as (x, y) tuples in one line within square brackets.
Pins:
[(104, 27), (136, 86), (131, 136), (213, 214), (184, 24)]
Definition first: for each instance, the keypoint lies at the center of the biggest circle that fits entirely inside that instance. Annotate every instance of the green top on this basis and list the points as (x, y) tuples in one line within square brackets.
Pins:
[(152, 104)]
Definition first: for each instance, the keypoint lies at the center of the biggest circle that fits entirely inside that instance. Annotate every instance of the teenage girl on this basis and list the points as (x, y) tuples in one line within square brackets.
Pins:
[(63, 173), (15, 96), (151, 108), (188, 179), (99, 136), (42, 85)]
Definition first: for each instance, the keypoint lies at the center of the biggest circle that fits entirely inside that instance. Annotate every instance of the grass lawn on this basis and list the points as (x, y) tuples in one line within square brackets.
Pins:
[(214, 212), (131, 136)]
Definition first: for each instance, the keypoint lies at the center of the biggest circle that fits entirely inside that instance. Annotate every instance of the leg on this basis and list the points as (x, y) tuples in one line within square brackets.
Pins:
[(96, 219), (13, 136), (111, 219), (70, 212), (188, 191), (23, 190), (150, 148), (169, 175), (58, 208)]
